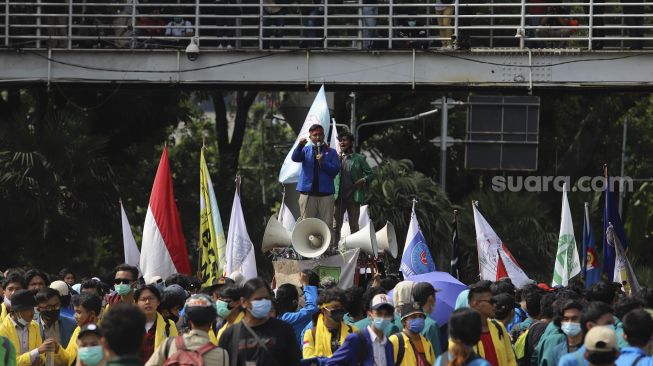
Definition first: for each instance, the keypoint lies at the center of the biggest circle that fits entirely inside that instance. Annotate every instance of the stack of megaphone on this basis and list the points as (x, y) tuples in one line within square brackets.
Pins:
[(370, 242), (310, 238)]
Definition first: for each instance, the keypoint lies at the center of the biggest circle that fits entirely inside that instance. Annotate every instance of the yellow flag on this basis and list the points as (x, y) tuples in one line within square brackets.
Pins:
[(212, 239)]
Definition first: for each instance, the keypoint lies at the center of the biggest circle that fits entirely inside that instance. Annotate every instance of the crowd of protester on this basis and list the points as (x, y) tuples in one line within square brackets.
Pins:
[(164, 24), (125, 320)]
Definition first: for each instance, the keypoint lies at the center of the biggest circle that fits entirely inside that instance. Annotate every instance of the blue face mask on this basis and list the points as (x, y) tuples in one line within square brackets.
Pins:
[(416, 325), (570, 329), (381, 323), (261, 308), (90, 356)]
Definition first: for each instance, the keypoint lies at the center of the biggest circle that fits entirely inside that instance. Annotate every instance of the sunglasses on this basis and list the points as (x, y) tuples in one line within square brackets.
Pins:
[(122, 281)]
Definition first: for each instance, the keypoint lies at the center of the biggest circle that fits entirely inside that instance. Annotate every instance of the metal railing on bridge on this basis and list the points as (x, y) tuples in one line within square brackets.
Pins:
[(325, 24)]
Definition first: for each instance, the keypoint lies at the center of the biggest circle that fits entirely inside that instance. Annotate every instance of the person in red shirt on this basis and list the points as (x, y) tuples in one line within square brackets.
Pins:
[(495, 344)]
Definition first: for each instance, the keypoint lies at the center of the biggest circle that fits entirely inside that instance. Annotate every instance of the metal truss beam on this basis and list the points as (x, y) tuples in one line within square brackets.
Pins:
[(479, 68)]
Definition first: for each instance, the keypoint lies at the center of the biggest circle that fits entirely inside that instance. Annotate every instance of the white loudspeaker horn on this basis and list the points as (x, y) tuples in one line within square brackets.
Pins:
[(387, 239), (365, 239), (311, 237), (275, 236)]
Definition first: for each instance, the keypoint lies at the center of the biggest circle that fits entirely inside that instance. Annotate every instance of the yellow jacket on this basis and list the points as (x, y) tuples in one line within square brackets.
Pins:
[(321, 345), (409, 354), (226, 325), (160, 334), (502, 345), (3, 312), (71, 350), (213, 337), (7, 329)]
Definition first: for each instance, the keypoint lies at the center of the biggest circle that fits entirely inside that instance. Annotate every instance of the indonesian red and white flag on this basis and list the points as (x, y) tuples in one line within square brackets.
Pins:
[(491, 249), (163, 251)]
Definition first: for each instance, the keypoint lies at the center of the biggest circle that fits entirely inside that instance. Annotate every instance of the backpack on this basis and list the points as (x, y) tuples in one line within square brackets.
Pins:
[(401, 349), (444, 358), (7, 346), (184, 356)]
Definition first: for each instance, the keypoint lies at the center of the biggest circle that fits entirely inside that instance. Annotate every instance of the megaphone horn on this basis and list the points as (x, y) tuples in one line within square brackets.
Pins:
[(365, 239), (311, 237), (387, 239), (275, 236)]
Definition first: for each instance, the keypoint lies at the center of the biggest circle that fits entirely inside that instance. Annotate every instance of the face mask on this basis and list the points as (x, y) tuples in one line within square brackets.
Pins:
[(412, 23), (222, 307), (50, 315), (7, 302), (338, 315), (416, 325), (570, 329), (381, 323), (261, 308), (123, 289), (22, 321), (90, 356)]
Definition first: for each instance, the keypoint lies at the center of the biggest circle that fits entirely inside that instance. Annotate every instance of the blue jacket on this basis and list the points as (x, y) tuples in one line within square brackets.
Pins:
[(66, 329), (329, 168), (630, 354), (576, 358), (299, 319), (348, 352)]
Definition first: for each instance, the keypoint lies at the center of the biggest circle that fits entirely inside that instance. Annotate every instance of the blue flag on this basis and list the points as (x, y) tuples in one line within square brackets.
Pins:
[(591, 271), (416, 258), (611, 215)]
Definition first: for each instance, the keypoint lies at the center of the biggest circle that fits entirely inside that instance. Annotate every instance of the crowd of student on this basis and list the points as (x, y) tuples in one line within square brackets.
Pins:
[(236, 322)]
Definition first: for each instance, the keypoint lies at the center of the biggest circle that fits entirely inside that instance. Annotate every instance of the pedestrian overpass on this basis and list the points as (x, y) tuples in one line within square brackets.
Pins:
[(347, 44)]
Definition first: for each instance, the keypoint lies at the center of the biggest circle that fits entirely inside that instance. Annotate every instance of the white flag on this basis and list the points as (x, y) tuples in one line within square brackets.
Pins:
[(623, 271), (363, 217), (285, 217), (318, 114), (334, 137), (341, 267), (489, 247), (567, 263), (132, 254), (240, 250)]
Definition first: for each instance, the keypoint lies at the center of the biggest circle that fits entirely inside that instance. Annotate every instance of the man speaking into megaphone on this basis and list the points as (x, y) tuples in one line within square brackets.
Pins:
[(320, 165)]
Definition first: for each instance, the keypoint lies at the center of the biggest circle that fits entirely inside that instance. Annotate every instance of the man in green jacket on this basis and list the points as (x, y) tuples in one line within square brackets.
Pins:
[(350, 184)]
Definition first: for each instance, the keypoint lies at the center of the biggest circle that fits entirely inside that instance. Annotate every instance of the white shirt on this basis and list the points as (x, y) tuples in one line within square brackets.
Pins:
[(23, 339), (179, 29), (378, 347)]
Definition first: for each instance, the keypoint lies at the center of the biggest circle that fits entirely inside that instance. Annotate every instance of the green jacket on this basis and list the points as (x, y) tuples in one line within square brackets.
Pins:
[(359, 169)]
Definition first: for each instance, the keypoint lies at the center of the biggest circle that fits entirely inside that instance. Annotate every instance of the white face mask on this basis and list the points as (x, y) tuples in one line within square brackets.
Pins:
[(7, 301)]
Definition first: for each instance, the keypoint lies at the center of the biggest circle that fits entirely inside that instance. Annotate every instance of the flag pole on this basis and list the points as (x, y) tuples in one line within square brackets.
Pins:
[(238, 181), (453, 247), (478, 255)]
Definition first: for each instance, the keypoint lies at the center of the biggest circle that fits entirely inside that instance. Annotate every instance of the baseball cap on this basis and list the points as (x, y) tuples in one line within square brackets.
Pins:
[(199, 301), (381, 300), (601, 339), (61, 287), (154, 280), (90, 328), (504, 302), (410, 309)]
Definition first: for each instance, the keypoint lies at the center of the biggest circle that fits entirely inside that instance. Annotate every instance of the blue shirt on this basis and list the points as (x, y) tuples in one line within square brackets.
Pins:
[(475, 362), (575, 358), (300, 319), (630, 354)]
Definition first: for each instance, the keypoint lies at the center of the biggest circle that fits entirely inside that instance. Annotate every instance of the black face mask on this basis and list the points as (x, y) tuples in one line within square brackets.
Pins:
[(338, 315), (174, 318), (50, 316)]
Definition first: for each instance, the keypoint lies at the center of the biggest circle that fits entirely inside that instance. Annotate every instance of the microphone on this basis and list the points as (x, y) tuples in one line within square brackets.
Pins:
[(318, 145)]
